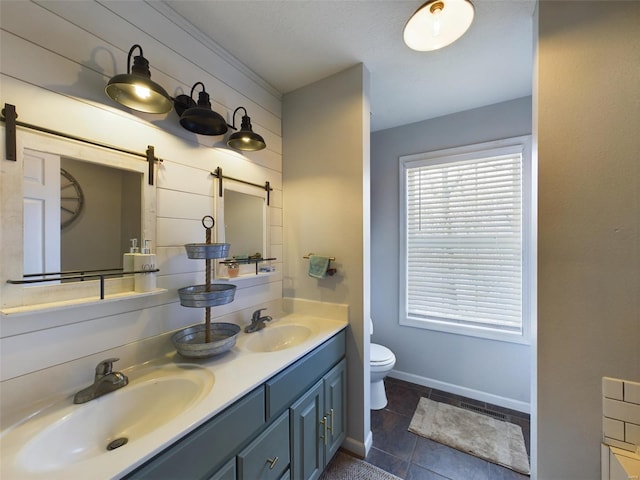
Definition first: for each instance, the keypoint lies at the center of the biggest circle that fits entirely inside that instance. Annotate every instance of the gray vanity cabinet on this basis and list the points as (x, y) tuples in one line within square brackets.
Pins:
[(318, 424), (287, 428)]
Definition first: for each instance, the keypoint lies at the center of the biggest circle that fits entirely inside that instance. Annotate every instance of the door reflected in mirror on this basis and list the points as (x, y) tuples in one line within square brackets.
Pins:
[(78, 215)]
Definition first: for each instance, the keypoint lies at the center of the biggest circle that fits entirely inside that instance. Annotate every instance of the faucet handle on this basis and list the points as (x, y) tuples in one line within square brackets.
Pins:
[(256, 315), (105, 367)]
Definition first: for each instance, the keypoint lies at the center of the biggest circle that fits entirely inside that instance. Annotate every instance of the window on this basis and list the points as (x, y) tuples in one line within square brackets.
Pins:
[(466, 240)]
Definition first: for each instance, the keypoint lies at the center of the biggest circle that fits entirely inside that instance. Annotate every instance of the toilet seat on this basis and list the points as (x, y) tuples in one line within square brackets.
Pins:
[(380, 355)]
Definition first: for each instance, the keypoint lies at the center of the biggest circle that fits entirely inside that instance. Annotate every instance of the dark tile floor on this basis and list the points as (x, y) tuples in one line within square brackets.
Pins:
[(412, 457)]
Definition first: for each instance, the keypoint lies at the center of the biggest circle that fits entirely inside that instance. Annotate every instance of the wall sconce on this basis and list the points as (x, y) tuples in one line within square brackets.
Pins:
[(136, 90), (245, 138), (437, 24), (199, 118)]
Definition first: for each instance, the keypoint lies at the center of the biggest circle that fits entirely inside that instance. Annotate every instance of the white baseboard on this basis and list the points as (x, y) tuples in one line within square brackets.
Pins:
[(357, 448), (368, 443), (505, 402)]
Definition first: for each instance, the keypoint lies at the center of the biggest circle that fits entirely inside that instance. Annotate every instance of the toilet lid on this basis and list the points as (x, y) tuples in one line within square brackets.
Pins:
[(380, 354)]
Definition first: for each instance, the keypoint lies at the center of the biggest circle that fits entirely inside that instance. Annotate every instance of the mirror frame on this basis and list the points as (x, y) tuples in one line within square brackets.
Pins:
[(12, 211), (246, 189)]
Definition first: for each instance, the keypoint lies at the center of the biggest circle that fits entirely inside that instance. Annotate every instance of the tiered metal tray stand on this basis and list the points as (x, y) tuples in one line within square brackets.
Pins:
[(208, 339)]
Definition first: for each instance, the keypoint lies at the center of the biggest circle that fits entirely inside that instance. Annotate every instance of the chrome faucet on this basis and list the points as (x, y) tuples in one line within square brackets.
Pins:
[(257, 321), (105, 381)]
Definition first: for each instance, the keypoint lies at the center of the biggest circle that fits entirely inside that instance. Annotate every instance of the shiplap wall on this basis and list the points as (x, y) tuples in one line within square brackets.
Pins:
[(55, 59)]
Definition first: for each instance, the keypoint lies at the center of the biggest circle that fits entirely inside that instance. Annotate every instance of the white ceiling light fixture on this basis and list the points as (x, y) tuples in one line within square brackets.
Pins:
[(437, 24)]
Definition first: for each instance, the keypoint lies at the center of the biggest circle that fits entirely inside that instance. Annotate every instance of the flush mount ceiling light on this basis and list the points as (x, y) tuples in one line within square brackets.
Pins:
[(245, 138), (198, 117), (136, 90), (437, 24)]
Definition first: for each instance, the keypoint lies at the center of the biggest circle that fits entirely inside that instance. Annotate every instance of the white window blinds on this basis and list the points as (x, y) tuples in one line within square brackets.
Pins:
[(464, 241)]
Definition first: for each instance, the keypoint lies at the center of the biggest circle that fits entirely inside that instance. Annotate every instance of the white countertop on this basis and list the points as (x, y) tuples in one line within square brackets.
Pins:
[(236, 373)]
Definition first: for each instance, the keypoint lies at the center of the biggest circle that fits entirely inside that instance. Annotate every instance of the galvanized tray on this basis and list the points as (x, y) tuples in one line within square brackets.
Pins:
[(190, 342), (197, 295), (200, 251)]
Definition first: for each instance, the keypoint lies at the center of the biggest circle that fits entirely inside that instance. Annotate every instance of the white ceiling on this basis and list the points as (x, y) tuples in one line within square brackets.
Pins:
[(292, 43)]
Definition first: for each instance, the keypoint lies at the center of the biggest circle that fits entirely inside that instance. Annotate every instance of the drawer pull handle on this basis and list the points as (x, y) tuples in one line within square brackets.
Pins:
[(324, 425), (331, 425), (272, 462)]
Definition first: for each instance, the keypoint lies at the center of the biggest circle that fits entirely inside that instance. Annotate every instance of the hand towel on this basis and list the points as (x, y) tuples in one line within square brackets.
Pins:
[(318, 266)]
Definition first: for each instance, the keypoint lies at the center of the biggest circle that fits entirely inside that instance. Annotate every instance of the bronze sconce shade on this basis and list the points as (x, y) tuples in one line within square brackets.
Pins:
[(136, 90), (198, 117), (245, 139)]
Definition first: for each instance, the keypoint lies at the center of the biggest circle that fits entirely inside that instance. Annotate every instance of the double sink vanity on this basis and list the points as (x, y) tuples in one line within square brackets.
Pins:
[(273, 407)]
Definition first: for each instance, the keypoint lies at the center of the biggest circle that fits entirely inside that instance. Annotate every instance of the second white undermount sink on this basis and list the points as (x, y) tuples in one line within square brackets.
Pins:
[(275, 338), (69, 433)]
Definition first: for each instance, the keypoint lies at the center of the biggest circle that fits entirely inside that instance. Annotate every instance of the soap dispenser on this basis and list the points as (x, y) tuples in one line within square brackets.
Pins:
[(128, 263), (145, 261)]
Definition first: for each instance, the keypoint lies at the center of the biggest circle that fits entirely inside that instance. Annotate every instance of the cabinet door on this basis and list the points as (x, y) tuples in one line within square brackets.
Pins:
[(267, 457), (307, 432), (335, 402), (227, 472), (286, 475)]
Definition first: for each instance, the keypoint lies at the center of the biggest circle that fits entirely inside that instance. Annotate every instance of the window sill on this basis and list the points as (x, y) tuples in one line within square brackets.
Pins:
[(484, 333)]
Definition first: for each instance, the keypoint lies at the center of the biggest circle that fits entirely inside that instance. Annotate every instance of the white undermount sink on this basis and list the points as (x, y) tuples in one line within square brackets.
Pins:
[(275, 338), (66, 433)]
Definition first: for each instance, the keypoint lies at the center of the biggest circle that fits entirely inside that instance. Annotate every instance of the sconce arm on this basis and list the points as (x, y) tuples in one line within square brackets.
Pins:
[(234, 117), (130, 54)]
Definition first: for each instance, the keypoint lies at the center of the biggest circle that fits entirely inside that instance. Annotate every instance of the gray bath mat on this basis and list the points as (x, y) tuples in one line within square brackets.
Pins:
[(485, 437), (346, 467)]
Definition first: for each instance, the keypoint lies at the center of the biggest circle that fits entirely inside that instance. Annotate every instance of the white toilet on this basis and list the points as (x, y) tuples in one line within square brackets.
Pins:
[(381, 362)]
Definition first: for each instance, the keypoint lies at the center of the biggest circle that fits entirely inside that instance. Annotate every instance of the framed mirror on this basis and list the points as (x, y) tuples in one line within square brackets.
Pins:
[(66, 206), (80, 219), (242, 221)]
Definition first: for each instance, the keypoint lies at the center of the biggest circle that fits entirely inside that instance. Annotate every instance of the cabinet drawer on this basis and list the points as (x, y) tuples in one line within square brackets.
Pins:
[(267, 457), (289, 384), (201, 452)]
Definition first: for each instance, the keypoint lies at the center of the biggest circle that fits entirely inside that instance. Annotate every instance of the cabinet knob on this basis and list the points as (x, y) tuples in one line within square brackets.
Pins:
[(272, 462)]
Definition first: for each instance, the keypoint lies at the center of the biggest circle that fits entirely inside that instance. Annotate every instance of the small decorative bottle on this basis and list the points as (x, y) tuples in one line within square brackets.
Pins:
[(145, 261), (128, 259)]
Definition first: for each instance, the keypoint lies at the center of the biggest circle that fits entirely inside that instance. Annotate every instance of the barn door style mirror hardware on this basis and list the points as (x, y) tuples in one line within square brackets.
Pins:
[(10, 118), (218, 174)]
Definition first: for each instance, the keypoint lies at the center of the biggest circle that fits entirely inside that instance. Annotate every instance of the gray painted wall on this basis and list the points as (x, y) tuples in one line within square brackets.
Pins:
[(325, 159), (489, 370), (588, 118)]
